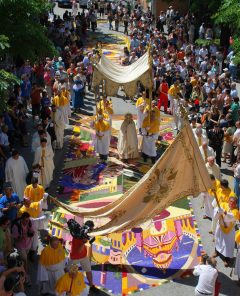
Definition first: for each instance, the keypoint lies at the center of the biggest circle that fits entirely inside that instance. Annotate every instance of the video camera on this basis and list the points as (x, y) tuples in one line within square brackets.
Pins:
[(81, 232), (13, 281)]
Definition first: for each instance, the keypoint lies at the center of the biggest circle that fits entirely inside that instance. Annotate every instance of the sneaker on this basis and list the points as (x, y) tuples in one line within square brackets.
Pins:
[(94, 289)]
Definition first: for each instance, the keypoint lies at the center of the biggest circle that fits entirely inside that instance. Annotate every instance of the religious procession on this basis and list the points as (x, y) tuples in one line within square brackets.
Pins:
[(120, 154)]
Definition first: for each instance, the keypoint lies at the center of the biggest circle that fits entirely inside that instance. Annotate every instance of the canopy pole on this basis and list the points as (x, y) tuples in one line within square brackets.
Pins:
[(151, 80)]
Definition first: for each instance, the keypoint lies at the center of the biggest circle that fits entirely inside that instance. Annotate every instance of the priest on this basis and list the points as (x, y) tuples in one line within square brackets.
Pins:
[(16, 171), (59, 125), (103, 136), (150, 130), (62, 101), (51, 266), (127, 140), (44, 157)]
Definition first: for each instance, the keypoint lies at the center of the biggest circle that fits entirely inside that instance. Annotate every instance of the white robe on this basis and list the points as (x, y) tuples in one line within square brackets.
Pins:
[(128, 141), (208, 208), (102, 144), (65, 111), (149, 144), (210, 152), (47, 276), (16, 171), (59, 125), (36, 141), (140, 115), (48, 168), (225, 243)]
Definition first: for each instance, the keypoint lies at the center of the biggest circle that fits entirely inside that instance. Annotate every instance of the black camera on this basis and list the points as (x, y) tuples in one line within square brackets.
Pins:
[(30, 234), (81, 232), (14, 259), (13, 281)]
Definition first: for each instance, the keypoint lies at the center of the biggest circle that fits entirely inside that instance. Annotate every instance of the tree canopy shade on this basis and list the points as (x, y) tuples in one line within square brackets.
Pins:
[(7, 79), (20, 22)]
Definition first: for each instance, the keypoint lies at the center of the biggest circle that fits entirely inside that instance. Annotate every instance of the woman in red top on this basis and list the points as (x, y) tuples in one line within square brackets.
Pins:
[(163, 95)]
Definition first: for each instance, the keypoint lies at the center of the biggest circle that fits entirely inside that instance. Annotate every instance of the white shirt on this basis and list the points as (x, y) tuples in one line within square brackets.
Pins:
[(207, 278), (237, 171), (236, 135)]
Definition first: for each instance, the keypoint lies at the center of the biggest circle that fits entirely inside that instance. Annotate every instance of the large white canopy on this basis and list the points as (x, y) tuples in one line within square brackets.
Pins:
[(115, 75)]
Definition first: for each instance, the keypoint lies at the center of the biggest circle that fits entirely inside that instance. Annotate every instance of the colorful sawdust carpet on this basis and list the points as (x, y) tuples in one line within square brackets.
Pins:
[(163, 249)]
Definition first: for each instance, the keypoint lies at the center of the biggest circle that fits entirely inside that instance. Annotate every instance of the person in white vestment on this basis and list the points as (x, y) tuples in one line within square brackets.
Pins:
[(237, 263), (127, 140), (44, 157), (200, 138), (103, 136), (59, 125), (206, 151), (16, 171), (213, 168), (208, 198), (227, 217), (40, 134), (51, 266)]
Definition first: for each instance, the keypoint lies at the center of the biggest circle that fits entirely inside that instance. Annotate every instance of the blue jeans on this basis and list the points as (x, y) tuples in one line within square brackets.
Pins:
[(237, 189)]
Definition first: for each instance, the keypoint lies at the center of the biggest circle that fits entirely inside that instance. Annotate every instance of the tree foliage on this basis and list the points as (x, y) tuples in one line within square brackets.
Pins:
[(229, 14), (20, 22), (204, 9), (7, 79)]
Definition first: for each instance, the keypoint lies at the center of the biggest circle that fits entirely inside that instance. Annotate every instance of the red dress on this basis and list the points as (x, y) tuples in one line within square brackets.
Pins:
[(163, 96)]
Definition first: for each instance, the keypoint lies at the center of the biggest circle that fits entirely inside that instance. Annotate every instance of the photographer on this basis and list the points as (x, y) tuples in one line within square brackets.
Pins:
[(8, 282), (207, 273), (23, 232), (78, 254)]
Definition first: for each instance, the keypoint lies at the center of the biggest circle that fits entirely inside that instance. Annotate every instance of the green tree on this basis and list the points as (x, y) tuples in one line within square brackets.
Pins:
[(7, 79), (228, 17), (204, 9), (20, 22)]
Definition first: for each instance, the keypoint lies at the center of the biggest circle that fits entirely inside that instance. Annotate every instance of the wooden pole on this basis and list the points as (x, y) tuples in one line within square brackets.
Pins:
[(218, 204), (151, 80)]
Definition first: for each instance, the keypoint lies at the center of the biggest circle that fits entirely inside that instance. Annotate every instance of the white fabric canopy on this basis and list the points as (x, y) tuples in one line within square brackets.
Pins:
[(116, 75)]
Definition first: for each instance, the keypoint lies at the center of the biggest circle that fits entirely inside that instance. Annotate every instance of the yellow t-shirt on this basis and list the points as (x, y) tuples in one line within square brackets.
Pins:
[(50, 256), (106, 108), (142, 101), (33, 210), (65, 283), (60, 100), (34, 194), (155, 109), (102, 126), (153, 125), (224, 194), (174, 90)]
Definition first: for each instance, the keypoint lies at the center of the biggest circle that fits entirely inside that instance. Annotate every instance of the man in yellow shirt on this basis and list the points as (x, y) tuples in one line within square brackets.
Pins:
[(34, 192), (71, 283), (103, 137), (61, 100), (105, 106), (141, 104), (173, 94), (153, 108), (51, 266), (150, 130)]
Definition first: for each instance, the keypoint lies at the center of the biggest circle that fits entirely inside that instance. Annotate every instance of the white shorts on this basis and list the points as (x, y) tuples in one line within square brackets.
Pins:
[(84, 262)]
